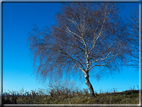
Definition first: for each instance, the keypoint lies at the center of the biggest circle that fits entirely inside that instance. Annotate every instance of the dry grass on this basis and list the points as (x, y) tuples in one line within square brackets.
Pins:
[(68, 96), (68, 93)]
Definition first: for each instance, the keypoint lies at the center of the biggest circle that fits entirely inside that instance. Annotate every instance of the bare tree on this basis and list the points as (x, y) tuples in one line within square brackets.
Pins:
[(87, 36)]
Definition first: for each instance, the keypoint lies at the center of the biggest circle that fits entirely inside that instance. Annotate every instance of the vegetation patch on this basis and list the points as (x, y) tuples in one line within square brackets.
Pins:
[(75, 97)]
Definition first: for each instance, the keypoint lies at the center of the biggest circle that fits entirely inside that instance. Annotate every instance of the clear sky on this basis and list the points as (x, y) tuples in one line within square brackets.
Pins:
[(18, 20)]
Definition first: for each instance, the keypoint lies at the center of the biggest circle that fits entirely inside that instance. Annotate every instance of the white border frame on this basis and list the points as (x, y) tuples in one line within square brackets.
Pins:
[(1, 55)]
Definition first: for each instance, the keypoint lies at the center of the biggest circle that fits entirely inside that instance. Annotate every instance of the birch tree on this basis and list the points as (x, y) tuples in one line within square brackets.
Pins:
[(87, 36)]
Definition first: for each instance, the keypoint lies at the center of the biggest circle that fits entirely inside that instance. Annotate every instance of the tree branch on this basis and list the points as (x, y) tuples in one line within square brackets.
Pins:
[(104, 64), (102, 58), (96, 38), (73, 60)]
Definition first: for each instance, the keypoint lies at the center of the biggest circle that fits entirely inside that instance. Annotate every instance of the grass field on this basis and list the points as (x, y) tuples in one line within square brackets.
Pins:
[(67, 96)]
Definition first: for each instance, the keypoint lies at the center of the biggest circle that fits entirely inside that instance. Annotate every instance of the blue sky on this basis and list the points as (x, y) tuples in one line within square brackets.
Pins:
[(18, 20)]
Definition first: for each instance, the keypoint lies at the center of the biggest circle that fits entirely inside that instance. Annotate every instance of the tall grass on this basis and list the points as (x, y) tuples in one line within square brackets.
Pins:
[(64, 94)]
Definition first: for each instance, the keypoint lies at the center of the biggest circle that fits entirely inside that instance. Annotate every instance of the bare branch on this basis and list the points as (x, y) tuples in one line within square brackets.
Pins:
[(105, 63), (73, 60), (96, 38), (70, 32)]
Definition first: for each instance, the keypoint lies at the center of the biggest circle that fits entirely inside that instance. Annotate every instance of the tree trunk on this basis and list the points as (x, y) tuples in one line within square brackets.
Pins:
[(89, 84)]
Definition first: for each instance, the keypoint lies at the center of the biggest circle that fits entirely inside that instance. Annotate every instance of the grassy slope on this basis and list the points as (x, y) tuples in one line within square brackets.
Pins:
[(65, 96)]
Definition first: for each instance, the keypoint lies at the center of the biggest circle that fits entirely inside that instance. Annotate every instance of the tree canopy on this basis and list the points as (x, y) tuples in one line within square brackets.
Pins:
[(87, 36)]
